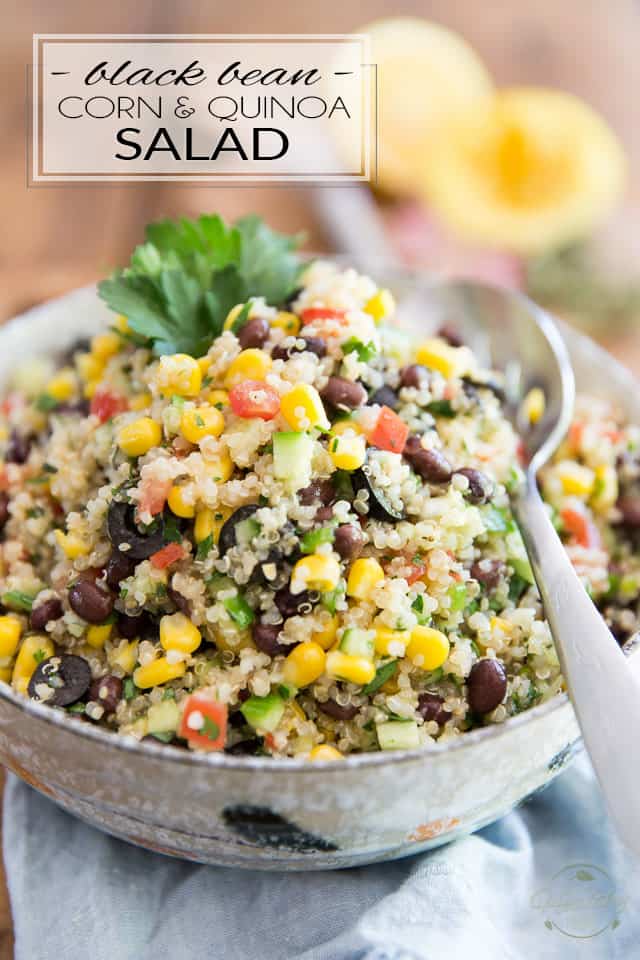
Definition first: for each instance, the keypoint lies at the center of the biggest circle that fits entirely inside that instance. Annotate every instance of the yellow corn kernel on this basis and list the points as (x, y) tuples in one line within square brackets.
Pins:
[(346, 426), (391, 643), (304, 664), (34, 649), (218, 398), (179, 504), (98, 635), (105, 345), (158, 672), (10, 632), (138, 437), (177, 632), (219, 467), (89, 367), (90, 388), (122, 324), (325, 752), (365, 574), (344, 666), (327, 634), (251, 364), (124, 656), (533, 405), (180, 374), (381, 305), (428, 648), (605, 491), (71, 545), (288, 322), (317, 572), (204, 525), (5, 674), (348, 451), (204, 363), (499, 623), (232, 316), (576, 480), (140, 401), (63, 386), (201, 422), (438, 355), (303, 408)]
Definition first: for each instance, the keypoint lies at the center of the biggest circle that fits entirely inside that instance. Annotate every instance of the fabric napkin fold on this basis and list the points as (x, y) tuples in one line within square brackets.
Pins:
[(549, 881)]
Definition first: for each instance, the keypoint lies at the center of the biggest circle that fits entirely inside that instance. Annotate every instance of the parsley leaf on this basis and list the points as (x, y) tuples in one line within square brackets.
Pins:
[(182, 282)]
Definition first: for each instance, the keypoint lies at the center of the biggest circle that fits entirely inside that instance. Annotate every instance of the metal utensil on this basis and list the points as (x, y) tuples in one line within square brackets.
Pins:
[(510, 333)]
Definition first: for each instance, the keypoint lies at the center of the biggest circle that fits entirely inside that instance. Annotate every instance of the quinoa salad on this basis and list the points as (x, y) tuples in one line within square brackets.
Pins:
[(255, 516)]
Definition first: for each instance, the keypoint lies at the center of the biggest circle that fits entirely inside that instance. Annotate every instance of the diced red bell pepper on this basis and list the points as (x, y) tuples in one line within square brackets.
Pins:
[(204, 722), (580, 527), (153, 496), (167, 555), (254, 398), (321, 313), (390, 432), (415, 571), (105, 404)]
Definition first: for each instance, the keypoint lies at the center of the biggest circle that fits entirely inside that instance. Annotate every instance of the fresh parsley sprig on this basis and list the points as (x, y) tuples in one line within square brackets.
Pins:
[(187, 275)]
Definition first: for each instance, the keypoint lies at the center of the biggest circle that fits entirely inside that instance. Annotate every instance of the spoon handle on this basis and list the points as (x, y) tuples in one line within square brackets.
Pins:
[(604, 691)]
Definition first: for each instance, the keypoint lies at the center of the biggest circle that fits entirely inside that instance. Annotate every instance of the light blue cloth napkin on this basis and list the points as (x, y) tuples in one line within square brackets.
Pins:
[(548, 881)]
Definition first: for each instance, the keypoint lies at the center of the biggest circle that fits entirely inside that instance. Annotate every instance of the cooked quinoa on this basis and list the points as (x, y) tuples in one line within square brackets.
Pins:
[(284, 528)]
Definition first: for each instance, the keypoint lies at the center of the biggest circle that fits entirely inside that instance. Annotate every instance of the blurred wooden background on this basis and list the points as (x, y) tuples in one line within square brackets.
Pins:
[(54, 239)]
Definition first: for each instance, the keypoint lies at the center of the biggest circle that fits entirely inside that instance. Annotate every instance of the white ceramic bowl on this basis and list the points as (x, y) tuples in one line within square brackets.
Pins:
[(275, 814)]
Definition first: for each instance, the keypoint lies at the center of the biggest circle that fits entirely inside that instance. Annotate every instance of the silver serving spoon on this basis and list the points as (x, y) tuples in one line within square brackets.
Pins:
[(508, 332)]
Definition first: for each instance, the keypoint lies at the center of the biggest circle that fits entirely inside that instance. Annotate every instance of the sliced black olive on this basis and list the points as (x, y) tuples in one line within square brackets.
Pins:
[(123, 532), (380, 507), (228, 536), (469, 384), (67, 676)]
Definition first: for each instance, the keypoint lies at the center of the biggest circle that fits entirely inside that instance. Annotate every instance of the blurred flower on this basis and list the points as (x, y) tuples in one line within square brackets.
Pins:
[(528, 170), (426, 76)]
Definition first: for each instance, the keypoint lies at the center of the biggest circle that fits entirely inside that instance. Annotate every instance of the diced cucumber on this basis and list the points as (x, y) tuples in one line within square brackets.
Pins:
[(263, 713), (292, 453), (163, 717), (458, 596), (246, 531), (239, 610), (357, 643), (398, 735), (523, 569)]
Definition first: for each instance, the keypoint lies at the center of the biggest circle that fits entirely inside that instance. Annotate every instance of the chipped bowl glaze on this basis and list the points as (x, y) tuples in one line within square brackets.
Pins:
[(281, 814)]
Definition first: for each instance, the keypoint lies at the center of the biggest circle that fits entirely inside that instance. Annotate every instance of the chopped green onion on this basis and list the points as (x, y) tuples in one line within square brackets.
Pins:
[(239, 610), (18, 601), (313, 538), (383, 673)]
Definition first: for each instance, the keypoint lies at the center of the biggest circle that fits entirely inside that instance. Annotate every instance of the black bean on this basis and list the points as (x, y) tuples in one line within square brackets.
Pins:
[(385, 397), (333, 709), (431, 707), (431, 465), (253, 333), (227, 538), (311, 345), (244, 748), (265, 637), (130, 627), (119, 567), (451, 335), (123, 532), (18, 448), (90, 602), (180, 601), (4, 509), (415, 375), (323, 514), (107, 692), (480, 488), (80, 407), (348, 541), (320, 491), (66, 675), (290, 605), (629, 507), (488, 572), (50, 609), (343, 394), (487, 685)]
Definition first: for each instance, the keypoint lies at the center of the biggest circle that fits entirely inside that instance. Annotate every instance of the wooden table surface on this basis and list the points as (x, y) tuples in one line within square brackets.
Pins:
[(54, 239)]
